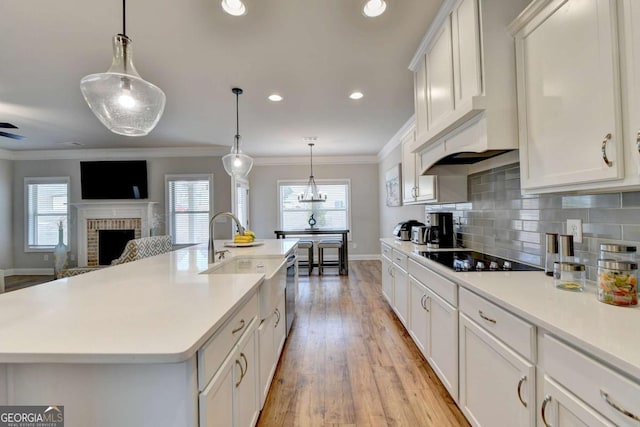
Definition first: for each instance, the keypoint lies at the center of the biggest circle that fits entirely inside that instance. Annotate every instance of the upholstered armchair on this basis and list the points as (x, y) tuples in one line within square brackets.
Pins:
[(134, 250)]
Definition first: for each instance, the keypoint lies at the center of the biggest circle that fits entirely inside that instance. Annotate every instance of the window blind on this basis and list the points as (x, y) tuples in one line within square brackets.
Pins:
[(188, 209), (242, 204), (46, 210)]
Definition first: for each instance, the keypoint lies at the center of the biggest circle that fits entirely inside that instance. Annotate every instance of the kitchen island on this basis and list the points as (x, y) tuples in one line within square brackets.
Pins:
[(122, 345)]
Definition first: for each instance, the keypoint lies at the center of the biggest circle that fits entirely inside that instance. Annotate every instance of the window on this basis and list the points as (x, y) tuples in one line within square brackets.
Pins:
[(189, 199), (47, 208), (334, 213), (241, 201)]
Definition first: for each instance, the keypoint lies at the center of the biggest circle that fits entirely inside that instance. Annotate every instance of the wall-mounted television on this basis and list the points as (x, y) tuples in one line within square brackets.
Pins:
[(118, 179)]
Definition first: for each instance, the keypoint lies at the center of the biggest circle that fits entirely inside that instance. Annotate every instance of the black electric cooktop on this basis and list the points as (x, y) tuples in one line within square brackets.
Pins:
[(462, 260)]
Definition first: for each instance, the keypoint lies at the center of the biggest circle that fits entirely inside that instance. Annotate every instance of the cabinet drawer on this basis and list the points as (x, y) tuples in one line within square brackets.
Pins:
[(594, 383), (514, 331), (400, 259), (214, 351), (444, 288), (387, 251)]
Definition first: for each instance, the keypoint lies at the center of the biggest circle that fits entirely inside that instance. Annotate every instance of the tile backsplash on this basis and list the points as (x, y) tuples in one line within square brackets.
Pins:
[(501, 221)]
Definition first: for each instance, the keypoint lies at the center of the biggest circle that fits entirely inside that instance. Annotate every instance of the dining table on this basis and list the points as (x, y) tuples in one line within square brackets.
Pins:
[(344, 250)]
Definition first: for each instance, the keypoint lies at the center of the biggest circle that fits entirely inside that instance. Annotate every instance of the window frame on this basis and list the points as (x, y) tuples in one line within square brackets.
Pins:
[(30, 180), (185, 177), (319, 182), (237, 183)]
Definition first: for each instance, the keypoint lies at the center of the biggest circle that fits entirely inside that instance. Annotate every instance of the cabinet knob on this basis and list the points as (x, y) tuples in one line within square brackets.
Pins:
[(604, 150)]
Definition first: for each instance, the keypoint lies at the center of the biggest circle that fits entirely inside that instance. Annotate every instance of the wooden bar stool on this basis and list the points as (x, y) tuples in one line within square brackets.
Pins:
[(329, 244), (307, 244)]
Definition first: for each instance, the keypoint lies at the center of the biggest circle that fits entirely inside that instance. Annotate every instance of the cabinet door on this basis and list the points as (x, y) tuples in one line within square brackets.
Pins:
[(420, 96), (401, 294), (560, 408), (443, 341), (216, 400), (569, 107), (280, 328), (266, 356), (418, 315), (631, 13), (497, 386), (408, 169), (245, 383), (440, 77), (427, 188), (387, 279), (466, 51)]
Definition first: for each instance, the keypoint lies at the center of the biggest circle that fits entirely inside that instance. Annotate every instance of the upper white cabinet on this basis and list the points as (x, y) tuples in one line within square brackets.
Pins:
[(465, 67), (568, 92), (630, 45)]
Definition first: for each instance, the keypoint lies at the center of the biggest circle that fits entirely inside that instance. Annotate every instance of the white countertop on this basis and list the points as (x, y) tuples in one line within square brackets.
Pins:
[(159, 309), (608, 332)]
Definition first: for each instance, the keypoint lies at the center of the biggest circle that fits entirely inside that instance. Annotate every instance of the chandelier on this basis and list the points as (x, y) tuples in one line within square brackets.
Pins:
[(311, 193)]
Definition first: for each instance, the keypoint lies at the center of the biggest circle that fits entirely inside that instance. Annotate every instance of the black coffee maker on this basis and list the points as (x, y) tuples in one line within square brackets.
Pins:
[(439, 232)]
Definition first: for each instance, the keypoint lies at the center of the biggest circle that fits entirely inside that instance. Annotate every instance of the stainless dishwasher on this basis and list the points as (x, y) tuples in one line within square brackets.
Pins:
[(290, 292)]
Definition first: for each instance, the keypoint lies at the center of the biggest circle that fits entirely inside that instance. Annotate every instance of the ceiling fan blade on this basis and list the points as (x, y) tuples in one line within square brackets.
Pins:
[(7, 126), (12, 136)]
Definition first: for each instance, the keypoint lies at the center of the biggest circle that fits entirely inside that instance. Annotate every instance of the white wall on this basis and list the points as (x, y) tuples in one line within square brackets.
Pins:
[(6, 214), (364, 199), (156, 169), (390, 216)]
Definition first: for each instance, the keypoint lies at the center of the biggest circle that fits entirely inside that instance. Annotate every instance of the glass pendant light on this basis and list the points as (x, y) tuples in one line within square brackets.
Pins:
[(373, 8), (122, 100), (311, 193), (236, 163)]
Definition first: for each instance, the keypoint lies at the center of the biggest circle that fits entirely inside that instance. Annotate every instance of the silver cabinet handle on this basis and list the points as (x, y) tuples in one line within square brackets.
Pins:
[(391, 271), (604, 150), (239, 328), (427, 300), (277, 313), (422, 301), (241, 373), (605, 396), (488, 319), (522, 380), (638, 141), (543, 413)]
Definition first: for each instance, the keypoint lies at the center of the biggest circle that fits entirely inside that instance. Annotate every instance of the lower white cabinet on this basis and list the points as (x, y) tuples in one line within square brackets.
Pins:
[(497, 386), (272, 334), (560, 408), (401, 294), (230, 398), (387, 279), (434, 328)]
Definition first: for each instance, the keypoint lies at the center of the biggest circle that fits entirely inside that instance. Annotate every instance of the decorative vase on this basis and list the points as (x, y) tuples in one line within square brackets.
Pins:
[(60, 256), (312, 221)]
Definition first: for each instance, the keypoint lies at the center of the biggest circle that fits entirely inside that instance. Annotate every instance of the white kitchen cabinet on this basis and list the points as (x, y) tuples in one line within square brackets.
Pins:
[(497, 386), (266, 359), (570, 127), (387, 279), (400, 287), (230, 399), (464, 68), (630, 14), (560, 408), (280, 327), (418, 315)]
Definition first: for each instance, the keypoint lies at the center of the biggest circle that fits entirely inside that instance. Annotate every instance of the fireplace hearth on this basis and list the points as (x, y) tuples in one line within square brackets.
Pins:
[(111, 243)]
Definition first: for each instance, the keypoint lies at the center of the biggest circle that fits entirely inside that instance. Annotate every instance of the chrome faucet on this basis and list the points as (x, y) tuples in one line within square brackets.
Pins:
[(212, 249)]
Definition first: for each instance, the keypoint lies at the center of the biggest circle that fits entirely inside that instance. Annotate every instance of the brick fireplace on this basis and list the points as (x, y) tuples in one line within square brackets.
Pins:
[(94, 216)]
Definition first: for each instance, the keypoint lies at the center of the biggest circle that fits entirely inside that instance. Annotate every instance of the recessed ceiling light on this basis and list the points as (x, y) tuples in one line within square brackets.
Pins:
[(373, 8), (275, 97), (234, 7), (356, 95)]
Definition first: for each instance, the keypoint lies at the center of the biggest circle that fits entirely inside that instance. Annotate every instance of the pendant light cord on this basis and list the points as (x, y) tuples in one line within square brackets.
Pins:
[(124, 18), (311, 152), (237, 123)]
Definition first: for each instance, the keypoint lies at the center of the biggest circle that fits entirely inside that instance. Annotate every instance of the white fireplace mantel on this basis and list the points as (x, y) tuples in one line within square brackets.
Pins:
[(106, 209)]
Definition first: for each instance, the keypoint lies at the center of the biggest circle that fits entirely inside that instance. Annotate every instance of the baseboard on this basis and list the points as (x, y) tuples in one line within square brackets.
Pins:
[(28, 272), (364, 257)]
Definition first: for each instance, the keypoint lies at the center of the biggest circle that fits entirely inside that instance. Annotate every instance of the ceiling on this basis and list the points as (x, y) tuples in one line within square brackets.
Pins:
[(312, 52)]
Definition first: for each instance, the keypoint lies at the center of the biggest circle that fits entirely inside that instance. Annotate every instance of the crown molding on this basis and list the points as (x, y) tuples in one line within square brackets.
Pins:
[(6, 154), (117, 153), (326, 160), (397, 138)]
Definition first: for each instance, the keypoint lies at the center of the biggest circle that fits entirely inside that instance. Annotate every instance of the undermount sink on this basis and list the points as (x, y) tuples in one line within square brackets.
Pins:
[(247, 265), (274, 270)]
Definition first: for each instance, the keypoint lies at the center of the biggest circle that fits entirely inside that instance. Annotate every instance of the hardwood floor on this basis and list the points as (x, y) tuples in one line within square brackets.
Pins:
[(349, 362), (13, 283)]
